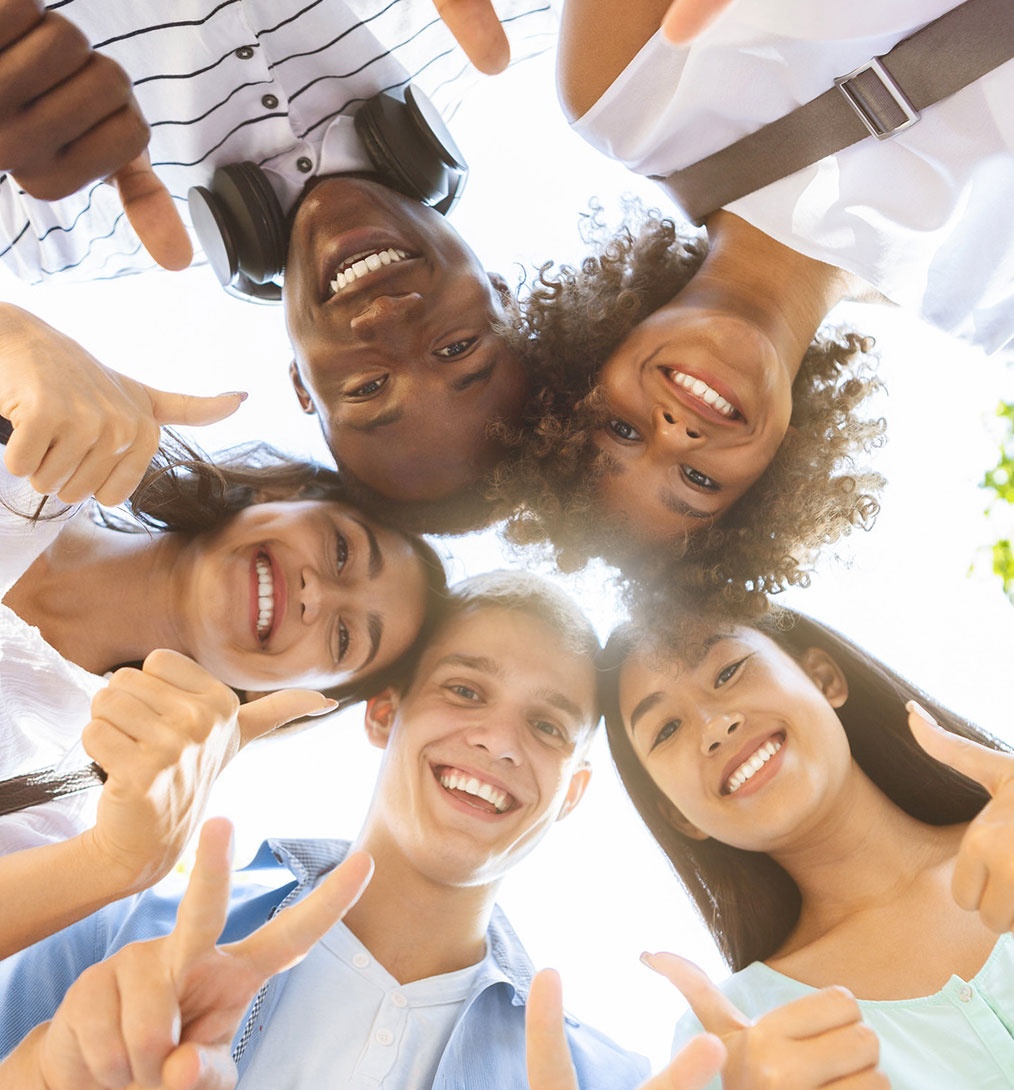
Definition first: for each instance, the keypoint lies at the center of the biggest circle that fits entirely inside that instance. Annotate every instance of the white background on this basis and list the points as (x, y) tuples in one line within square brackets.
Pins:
[(598, 891)]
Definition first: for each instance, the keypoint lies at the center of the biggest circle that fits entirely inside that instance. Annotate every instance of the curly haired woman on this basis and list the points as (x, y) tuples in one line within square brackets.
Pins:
[(699, 385)]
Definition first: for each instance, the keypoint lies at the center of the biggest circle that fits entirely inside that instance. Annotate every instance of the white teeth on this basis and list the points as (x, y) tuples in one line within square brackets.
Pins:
[(699, 388), (458, 781), (352, 268), (265, 596), (752, 764)]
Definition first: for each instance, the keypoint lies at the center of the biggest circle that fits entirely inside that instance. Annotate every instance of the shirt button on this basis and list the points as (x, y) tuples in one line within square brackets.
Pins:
[(965, 993), (384, 1036), (360, 961), (304, 164), (269, 102), (398, 999), (245, 52)]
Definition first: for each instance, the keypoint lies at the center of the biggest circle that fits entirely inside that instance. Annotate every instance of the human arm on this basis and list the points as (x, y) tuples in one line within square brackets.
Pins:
[(162, 734), (68, 116), (548, 1057), (819, 1040), (164, 1012), (81, 429), (983, 878)]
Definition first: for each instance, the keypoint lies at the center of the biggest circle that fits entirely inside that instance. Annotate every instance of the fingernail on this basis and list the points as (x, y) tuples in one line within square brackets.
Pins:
[(916, 708), (241, 394), (647, 959), (328, 707)]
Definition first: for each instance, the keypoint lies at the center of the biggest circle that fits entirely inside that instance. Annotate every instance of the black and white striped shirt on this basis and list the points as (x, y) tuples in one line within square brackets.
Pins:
[(221, 81)]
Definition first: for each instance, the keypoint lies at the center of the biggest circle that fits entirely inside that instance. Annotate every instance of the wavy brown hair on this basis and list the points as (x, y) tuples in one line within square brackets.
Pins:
[(811, 494), (747, 901)]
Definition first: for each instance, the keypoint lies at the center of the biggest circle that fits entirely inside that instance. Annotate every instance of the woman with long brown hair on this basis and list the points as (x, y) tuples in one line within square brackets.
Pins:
[(828, 838)]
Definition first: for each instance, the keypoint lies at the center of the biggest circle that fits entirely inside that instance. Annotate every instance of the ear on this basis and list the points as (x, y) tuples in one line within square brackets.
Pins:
[(575, 791), (502, 288), (826, 674), (679, 822), (380, 716), (305, 401)]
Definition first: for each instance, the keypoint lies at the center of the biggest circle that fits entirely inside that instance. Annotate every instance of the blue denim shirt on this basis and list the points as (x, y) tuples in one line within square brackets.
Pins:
[(486, 1050)]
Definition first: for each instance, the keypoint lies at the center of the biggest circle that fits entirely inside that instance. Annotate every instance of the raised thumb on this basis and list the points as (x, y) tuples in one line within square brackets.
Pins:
[(193, 409), (714, 1011), (152, 213), (987, 766), (266, 714)]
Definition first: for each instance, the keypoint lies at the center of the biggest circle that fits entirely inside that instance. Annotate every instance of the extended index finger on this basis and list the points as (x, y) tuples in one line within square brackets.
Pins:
[(547, 1055), (477, 30), (283, 941), (202, 912)]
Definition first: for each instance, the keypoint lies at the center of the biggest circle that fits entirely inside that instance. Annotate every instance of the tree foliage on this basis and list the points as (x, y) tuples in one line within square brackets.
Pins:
[(999, 480)]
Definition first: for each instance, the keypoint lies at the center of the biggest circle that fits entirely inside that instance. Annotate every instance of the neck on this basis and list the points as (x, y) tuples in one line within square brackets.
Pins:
[(101, 597), (782, 292), (416, 927), (862, 853)]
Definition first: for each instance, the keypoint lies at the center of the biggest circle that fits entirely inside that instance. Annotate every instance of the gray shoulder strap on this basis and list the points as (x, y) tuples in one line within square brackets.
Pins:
[(880, 98)]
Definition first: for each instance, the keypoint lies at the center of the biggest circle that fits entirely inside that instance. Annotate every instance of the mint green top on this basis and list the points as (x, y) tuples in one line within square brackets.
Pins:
[(962, 1038)]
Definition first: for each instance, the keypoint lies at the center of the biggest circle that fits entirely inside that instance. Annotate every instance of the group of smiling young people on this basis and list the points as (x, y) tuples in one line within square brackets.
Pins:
[(672, 406)]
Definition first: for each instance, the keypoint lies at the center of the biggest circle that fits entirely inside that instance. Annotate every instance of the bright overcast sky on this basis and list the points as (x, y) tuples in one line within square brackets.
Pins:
[(598, 892)]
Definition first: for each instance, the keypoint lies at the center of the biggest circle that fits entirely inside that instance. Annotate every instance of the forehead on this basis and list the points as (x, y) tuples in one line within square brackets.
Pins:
[(519, 648), (669, 665)]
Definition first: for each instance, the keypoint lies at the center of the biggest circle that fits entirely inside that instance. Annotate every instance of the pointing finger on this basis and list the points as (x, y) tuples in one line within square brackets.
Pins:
[(987, 766), (152, 213), (547, 1055), (713, 1010), (202, 912), (169, 408), (477, 30)]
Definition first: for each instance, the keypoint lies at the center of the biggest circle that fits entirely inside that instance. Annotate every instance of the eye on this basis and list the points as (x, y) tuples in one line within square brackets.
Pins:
[(622, 430), (343, 640), (341, 551), (368, 389), (458, 348), (550, 730), (729, 672), (669, 728), (699, 479), (466, 692)]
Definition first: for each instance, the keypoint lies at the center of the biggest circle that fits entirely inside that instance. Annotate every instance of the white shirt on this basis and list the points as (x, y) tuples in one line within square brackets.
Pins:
[(925, 216), (344, 1021), (221, 81), (45, 701)]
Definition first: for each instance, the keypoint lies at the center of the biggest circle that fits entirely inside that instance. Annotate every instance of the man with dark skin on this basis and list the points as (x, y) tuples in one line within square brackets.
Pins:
[(412, 338)]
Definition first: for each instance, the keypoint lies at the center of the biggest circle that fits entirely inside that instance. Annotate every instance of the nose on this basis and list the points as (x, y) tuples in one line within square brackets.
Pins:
[(498, 736), (676, 427), (386, 316), (717, 728), (318, 595)]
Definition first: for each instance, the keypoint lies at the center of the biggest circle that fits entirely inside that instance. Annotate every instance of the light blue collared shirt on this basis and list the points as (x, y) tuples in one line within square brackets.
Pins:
[(486, 1048)]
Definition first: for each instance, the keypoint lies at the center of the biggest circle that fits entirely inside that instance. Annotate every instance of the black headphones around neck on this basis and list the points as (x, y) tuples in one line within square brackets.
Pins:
[(240, 223)]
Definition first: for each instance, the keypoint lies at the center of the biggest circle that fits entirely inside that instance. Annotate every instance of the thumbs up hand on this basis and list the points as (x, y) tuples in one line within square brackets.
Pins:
[(68, 116), (80, 428), (983, 879), (811, 1042)]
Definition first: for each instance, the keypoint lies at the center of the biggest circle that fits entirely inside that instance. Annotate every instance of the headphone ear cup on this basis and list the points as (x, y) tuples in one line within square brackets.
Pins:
[(240, 225), (411, 155)]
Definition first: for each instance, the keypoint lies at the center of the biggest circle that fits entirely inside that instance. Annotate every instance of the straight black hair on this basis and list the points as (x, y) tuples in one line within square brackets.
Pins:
[(747, 901)]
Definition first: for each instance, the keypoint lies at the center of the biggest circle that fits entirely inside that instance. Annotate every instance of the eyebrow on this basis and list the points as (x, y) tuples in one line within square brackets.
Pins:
[(376, 565), (463, 383), (381, 420), (652, 699), (559, 700), (672, 502), (475, 662), (375, 626)]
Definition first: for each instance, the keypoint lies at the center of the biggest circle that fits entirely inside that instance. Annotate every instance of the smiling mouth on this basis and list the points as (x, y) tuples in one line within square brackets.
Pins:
[(473, 791), (265, 597), (698, 389), (753, 764), (359, 265)]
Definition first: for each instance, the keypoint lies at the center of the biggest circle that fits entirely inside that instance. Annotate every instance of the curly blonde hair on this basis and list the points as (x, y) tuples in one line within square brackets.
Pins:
[(810, 495)]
